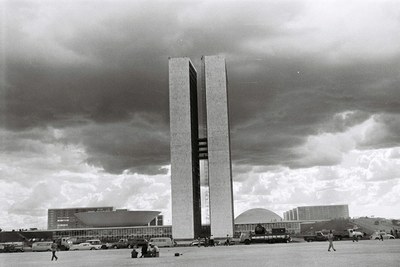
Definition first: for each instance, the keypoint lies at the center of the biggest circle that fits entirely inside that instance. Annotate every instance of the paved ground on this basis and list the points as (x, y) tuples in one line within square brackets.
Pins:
[(364, 253)]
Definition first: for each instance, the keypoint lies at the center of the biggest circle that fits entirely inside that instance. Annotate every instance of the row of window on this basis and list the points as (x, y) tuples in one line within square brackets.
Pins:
[(113, 234)]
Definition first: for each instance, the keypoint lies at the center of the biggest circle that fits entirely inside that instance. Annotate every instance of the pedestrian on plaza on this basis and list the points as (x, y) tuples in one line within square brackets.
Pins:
[(134, 253), (206, 241), (144, 250), (330, 239), (198, 241), (228, 240), (355, 238), (212, 241), (54, 248), (154, 250), (381, 235)]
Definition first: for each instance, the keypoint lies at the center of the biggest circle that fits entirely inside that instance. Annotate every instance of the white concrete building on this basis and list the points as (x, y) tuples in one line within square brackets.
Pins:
[(187, 148)]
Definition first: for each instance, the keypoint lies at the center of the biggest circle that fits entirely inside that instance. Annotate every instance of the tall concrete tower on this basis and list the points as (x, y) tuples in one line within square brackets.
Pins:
[(185, 173), (219, 152), (187, 148)]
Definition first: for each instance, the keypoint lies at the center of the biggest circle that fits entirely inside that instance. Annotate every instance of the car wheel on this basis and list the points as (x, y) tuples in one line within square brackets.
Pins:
[(92, 249), (377, 238), (115, 247), (247, 242)]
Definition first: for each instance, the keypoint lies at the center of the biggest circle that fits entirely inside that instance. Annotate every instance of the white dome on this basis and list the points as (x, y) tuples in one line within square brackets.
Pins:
[(258, 215)]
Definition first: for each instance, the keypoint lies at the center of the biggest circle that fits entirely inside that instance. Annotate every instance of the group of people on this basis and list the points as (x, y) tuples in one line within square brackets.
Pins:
[(208, 241), (146, 252)]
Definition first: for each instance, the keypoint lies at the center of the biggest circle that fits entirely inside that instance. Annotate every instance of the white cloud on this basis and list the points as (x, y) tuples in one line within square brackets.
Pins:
[(368, 189), (56, 176)]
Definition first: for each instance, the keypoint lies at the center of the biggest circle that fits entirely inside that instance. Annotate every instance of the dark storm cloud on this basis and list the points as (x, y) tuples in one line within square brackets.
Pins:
[(296, 98), (99, 71), (141, 145)]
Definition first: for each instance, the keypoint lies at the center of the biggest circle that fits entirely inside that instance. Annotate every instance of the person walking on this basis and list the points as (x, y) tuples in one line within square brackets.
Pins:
[(212, 241), (330, 239), (355, 238), (228, 240), (54, 247)]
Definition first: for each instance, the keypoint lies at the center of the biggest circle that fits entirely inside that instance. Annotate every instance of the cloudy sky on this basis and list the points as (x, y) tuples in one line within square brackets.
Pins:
[(314, 102)]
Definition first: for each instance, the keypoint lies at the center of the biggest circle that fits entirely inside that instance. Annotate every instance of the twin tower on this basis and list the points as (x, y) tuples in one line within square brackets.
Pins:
[(199, 127)]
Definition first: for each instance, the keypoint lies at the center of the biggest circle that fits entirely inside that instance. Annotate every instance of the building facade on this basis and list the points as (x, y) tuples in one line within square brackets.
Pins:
[(188, 148), (158, 221), (310, 213), (97, 217), (219, 152), (185, 165), (65, 218)]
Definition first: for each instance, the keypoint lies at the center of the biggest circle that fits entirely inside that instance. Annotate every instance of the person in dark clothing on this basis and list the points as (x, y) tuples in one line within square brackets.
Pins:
[(54, 247), (144, 250), (206, 241), (134, 253), (212, 242), (355, 238)]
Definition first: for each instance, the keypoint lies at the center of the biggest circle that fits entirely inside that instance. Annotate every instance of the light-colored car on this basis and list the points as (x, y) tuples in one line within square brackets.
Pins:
[(42, 246), (377, 235), (85, 246), (162, 242), (94, 241)]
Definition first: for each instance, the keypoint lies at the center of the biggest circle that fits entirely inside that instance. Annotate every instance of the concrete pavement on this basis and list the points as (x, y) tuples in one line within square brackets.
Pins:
[(364, 253)]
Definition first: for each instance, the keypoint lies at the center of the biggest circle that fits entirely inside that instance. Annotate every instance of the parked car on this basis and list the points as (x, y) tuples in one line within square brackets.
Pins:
[(106, 246), (85, 246), (377, 235), (12, 247), (196, 242), (42, 246), (162, 241), (130, 243), (94, 241)]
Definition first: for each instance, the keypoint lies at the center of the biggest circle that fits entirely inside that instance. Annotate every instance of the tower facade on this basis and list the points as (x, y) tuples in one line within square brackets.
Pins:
[(219, 152), (187, 148), (185, 174)]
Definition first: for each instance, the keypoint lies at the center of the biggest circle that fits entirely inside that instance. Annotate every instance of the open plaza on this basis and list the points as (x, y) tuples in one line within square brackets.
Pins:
[(363, 253)]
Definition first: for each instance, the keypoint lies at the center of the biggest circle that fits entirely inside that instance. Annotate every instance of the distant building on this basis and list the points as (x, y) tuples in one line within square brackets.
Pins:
[(248, 220), (158, 221), (310, 213), (95, 217), (66, 219)]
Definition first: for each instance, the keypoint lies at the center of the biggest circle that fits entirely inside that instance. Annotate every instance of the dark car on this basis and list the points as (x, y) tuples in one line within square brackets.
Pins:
[(12, 248), (130, 243)]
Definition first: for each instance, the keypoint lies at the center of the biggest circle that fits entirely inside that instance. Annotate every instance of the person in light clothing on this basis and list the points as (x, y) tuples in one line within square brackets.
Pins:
[(330, 239), (54, 247)]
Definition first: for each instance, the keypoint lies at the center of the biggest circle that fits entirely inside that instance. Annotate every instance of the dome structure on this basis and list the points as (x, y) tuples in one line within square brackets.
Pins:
[(257, 215), (117, 218)]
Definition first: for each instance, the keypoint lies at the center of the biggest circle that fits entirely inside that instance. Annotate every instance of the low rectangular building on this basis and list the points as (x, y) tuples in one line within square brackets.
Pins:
[(311, 213)]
